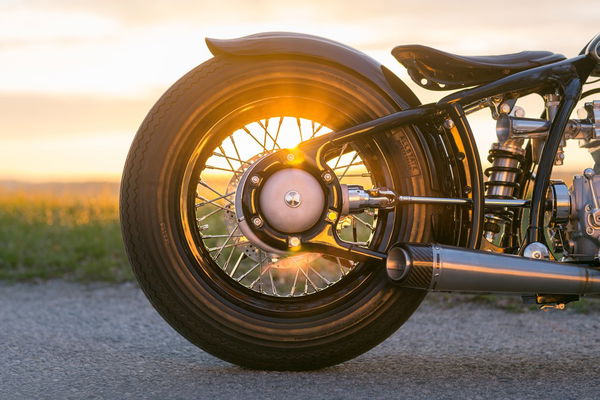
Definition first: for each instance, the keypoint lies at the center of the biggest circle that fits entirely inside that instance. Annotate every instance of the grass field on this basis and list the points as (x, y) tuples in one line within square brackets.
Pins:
[(57, 231)]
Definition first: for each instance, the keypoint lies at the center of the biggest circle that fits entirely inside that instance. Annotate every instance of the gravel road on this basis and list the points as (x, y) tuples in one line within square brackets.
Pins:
[(61, 340)]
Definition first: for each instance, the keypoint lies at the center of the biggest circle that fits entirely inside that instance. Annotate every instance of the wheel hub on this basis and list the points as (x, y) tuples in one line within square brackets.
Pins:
[(281, 200)]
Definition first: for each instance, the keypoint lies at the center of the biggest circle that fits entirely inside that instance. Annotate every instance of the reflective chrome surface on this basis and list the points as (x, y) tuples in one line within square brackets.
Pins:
[(452, 269), (511, 203), (529, 128)]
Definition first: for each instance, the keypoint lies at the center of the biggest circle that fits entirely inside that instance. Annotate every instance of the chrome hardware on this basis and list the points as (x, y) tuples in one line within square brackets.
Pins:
[(508, 127), (355, 199), (503, 176), (257, 222), (448, 124), (503, 173), (589, 174), (294, 241), (292, 199), (510, 203), (561, 202), (583, 230), (536, 250)]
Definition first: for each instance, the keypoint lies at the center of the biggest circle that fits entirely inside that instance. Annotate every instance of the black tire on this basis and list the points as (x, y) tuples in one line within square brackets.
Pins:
[(237, 325)]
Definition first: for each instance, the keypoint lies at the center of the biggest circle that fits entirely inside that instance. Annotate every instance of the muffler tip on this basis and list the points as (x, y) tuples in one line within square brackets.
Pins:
[(397, 264)]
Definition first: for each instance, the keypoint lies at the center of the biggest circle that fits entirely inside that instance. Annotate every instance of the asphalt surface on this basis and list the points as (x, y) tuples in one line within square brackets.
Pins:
[(60, 341)]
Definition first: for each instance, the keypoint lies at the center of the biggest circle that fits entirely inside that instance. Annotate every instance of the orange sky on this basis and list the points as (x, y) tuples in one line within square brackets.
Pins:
[(77, 77)]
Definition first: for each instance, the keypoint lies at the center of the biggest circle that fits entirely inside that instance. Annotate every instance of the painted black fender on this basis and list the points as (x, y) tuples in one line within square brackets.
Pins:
[(302, 45)]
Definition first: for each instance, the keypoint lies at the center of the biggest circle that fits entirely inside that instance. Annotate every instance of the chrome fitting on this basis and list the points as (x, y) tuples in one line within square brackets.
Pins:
[(355, 199)]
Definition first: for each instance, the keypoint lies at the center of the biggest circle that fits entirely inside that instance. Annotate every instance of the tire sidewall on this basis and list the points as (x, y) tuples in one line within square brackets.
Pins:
[(168, 271)]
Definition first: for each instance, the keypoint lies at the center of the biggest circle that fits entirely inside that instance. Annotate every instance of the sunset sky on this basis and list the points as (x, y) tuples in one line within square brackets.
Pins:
[(77, 77)]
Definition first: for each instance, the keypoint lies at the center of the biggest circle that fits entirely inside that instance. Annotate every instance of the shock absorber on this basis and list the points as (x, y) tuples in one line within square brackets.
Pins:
[(503, 176)]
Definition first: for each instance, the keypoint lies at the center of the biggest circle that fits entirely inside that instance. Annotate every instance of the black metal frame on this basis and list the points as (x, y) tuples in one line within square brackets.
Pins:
[(565, 78)]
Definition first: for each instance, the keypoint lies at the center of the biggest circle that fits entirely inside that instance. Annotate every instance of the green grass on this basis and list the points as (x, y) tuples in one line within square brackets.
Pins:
[(66, 235)]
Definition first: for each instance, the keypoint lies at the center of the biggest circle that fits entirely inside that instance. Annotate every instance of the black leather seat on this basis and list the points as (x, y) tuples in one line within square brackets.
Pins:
[(437, 70)]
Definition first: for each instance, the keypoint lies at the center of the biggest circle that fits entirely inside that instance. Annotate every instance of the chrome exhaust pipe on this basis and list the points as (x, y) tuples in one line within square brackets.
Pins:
[(452, 269)]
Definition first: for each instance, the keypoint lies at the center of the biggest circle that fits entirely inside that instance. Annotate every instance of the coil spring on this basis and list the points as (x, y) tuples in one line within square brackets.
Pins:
[(504, 162), (503, 182)]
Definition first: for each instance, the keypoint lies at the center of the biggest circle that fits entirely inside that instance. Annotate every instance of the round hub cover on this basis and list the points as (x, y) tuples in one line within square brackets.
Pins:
[(292, 200)]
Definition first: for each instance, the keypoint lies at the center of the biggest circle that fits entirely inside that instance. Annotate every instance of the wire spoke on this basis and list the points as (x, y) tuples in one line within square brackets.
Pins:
[(262, 272), (220, 236), (365, 223), (273, 287), (227, 159), (237, 264), (213, 249), (308, 280), (319, 275), (265, 128), (226, 241), (348, 166), (339, 263), (219, 168), (212, 202), (314, 132), (221, 196), (216, 153), (228, 259), (210, 214), (235, 147), (238, 257), (255, 139), (245, 274), (340, 156), (299, 129), (294, 284), (277, 133)]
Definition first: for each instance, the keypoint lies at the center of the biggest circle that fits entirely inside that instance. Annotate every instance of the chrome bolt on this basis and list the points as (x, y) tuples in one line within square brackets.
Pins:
[(257, 222), (449, 124), (589, 231), (290, 157), (504, 108), (327, 177), (294, 241), (536, 254), (588, 207), (255, 180)]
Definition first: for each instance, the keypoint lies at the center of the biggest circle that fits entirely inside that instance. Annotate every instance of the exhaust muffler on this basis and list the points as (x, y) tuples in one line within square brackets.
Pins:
[(451, 269)]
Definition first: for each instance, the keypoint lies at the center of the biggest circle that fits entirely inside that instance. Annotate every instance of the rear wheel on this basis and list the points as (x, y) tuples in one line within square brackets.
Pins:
[(209, 281)]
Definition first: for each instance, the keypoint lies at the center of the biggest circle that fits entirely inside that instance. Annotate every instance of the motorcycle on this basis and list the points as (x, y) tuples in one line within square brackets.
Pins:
[(288, 204)]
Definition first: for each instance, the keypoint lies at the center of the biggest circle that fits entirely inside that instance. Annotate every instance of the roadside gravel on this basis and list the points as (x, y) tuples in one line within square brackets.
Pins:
[(62, 340)]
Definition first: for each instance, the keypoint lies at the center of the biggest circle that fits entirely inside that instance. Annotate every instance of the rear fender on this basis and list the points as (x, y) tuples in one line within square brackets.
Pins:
[(309, 46), (331, 52)]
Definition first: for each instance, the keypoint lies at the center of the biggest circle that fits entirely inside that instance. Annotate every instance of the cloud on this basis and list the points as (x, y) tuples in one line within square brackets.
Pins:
[(44, 116), (74, 72)]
